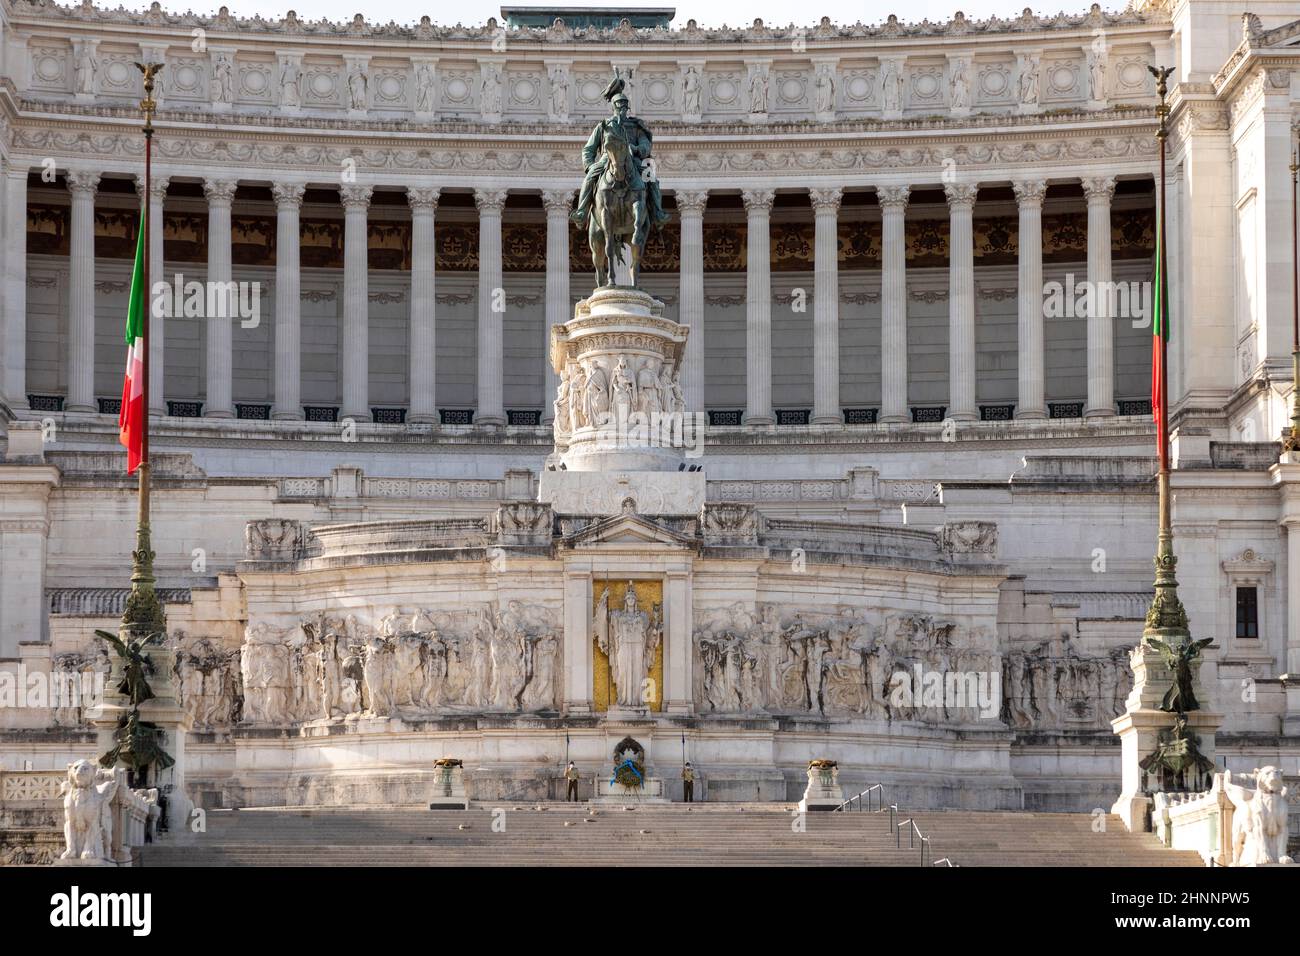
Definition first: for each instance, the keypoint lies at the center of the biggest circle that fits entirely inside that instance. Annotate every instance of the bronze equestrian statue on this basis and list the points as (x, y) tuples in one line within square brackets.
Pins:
[(620, 199)]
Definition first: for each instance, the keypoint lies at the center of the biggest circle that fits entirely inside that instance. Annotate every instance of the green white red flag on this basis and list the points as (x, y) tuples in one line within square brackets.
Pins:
[(130, 420)]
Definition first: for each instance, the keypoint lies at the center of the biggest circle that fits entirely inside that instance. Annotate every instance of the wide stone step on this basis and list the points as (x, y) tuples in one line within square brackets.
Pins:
[(713, 834)]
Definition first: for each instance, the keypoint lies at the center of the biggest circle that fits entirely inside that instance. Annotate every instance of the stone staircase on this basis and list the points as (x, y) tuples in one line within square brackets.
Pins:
[(732, 834)]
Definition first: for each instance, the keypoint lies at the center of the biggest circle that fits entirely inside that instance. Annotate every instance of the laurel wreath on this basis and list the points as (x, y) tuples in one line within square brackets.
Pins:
[(630, 773)]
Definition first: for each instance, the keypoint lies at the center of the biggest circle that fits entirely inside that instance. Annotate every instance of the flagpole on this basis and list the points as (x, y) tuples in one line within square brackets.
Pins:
[(144, 611), (1166, 617), (1292, 443)]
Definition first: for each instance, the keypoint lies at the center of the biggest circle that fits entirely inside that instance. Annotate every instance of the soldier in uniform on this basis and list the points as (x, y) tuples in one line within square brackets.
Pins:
[(571, 775), (688, 783), (638, 136)]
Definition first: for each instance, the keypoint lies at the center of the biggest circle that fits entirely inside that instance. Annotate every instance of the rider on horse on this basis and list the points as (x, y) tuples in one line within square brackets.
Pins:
[(594, 161)]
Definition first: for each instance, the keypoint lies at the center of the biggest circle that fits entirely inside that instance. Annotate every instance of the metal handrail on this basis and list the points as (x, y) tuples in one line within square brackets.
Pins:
[(878, 789), (914, 834)]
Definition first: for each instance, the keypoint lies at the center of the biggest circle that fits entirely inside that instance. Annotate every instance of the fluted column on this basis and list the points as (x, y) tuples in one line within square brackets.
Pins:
[(14, 327), (893, 303), (288, 301), (423, 358), (758, 308), (221, 195), (558, 203), (690, 209), (1030, 395), (491, 307), (1101, 339), (81, 293), (157, 324), (826, 306), (961, 301), (356, 304)]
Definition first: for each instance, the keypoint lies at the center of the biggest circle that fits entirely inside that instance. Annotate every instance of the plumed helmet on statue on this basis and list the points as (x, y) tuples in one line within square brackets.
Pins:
[(614, 90)]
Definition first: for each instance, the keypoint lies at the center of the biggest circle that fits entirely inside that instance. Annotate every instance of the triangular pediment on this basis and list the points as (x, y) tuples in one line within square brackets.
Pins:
[(628, 529)]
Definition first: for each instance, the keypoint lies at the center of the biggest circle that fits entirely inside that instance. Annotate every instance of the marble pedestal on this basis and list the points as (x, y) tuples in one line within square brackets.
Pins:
[(449, 789), (620, 404), (823, 791), (1140, 726), (166, 712), (603, 493), (651, 792)]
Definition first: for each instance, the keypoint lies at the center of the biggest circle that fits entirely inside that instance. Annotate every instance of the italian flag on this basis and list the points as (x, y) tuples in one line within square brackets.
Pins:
[(130, 420), (1160, 334)]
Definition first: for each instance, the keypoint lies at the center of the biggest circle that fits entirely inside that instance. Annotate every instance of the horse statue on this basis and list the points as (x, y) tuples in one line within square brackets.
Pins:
[(621, 215)]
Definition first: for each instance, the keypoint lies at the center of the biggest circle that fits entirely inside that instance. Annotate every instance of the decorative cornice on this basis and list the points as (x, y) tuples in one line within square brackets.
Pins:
[(400, 158), (454, 129), (559, 33)]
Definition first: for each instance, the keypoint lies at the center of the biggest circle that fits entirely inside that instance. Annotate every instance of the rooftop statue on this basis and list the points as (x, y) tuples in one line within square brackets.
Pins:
[(620, 198)]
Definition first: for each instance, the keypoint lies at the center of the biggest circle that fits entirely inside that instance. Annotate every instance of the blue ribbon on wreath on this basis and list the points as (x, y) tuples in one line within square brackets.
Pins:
[(631, 766)]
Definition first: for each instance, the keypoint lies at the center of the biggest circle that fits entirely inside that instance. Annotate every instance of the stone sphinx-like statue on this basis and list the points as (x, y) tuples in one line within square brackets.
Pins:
[(1259, 823), (87, 816)]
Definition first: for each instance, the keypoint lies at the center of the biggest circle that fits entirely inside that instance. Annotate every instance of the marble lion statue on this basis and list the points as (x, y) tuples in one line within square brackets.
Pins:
[(87, 826), (1259, 823)]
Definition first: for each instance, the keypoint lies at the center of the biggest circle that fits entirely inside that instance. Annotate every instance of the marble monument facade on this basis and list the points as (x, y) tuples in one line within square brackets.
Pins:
[(376, 538)]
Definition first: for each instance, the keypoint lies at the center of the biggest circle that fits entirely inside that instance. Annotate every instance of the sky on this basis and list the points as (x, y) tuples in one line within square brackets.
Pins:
[(708, 13)]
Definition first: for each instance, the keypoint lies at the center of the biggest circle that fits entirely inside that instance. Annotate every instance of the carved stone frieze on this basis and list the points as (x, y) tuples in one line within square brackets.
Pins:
[(404, 662)]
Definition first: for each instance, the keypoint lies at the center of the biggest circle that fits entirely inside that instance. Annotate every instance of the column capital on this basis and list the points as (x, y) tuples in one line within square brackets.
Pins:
[(558, 202), (826, 199), (220, 192), (893, 197), (1030, 192), (423, 197), (490, 200), (691, 201), (157, 184), (758, 200), (288, 194), (83, 181), (1098, 189), (355, 197), (960, 194)]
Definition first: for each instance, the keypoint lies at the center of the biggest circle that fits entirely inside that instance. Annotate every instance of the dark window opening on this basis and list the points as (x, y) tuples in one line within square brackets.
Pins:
[(1247, 613)]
